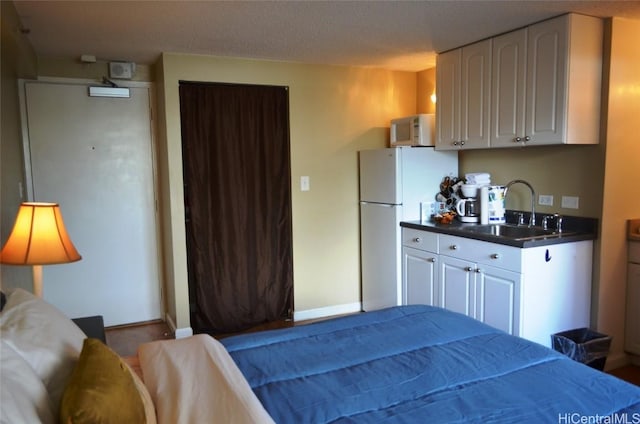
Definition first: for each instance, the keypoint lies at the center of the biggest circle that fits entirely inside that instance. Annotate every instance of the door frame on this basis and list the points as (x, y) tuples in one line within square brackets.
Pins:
[(28, 172), (191, 303)]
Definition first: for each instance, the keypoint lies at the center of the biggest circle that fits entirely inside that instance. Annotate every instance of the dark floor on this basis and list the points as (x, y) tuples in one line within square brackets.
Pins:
[(630, 373), (273, 326), (125, 340)]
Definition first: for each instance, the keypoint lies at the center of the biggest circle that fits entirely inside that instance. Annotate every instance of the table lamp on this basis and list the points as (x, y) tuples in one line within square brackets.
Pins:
[(38, 238)]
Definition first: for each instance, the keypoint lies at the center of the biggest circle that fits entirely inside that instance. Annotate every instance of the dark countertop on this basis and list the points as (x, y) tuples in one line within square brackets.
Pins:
[(576, 229)]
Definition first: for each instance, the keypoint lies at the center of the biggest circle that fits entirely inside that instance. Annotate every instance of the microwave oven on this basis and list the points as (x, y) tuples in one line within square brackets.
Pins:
[(414, 130)]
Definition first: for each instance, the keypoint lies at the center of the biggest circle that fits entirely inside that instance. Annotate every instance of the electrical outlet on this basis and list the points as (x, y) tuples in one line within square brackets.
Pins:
[(570, 202), (545, 199), (304, 183)]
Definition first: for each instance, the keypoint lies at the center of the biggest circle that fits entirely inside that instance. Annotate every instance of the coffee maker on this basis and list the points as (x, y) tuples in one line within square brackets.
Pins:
[(468, 207)]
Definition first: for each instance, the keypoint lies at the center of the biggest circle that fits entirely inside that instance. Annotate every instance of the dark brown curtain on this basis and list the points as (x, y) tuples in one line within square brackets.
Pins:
[(235, 142)]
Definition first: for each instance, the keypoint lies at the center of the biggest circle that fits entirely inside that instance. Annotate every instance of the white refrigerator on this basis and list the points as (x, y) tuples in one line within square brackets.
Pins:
[(393, 182)]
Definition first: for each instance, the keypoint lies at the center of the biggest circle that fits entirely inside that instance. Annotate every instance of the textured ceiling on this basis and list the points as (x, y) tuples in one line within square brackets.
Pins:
[(399, 35)]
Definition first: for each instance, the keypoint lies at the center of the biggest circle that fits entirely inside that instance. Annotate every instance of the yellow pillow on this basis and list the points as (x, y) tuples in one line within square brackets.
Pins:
[(101, 389)]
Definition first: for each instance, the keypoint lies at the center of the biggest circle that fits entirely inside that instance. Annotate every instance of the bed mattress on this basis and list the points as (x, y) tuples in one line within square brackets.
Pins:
[(417, 364)]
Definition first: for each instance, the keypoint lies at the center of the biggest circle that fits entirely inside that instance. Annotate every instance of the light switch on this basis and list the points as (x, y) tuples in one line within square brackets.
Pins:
[(304, 183)]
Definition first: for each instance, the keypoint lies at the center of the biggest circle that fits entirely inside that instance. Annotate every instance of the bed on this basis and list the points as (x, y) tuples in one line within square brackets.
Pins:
[(403, 364)]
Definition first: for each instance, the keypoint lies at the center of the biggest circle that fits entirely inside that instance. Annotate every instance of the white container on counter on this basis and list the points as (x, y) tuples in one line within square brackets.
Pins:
[(484, 205)]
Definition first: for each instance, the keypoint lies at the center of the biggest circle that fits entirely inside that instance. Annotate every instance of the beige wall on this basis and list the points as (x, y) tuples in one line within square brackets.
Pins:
[(556, 170), (73, 68), (18, 61), (621, 200), (426, 87), (334, 112)]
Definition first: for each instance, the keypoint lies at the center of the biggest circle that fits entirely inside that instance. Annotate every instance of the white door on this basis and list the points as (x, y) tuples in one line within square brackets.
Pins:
[(475, 104), (93, 156), (508, 88), (448, 78), (420, 276), (546, 79), (381, 176), (498, 298), (456, 285), (380, 255)]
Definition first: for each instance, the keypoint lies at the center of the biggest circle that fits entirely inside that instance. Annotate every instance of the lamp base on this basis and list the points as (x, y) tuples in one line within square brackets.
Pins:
[(37, 280)]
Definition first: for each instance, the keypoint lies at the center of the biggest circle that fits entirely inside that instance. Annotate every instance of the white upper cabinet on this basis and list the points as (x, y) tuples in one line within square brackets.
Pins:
[(564, 80), (463, 89), (543, 87), (448, 79), (508, 88)]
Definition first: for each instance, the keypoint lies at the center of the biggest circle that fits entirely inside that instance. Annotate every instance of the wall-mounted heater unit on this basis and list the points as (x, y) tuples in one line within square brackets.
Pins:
[(96, 91)]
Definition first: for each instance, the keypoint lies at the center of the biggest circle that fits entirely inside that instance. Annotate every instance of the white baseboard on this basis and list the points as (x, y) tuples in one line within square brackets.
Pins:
[(180, 333), (327, 311), (297, 316)]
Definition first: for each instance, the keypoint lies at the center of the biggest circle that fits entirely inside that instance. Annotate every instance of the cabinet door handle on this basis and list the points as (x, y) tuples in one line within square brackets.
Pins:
[(478, 270), (495, 256), (431, 259), (517, 140), (453, 247), (468, 269), (417, 239), (527, 138), (462, 143)]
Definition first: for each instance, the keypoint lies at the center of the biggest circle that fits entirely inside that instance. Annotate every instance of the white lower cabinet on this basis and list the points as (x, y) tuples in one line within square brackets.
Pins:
[(419, 277), (456, 286), (498, 298), (488, 293), (528, 292), (419, 267)]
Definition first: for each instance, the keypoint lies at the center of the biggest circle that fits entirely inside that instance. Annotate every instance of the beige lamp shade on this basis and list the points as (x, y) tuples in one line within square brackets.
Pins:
[(38, 237)]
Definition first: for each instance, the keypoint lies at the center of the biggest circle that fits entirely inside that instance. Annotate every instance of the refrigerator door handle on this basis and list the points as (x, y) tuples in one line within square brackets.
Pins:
[(385, 205)]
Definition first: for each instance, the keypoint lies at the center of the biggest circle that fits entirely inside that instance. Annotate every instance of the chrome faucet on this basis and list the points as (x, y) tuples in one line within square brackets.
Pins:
[(532, 218)]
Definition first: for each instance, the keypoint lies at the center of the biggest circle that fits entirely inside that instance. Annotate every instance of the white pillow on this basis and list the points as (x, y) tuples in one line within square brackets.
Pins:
[(44, 337), (24, 397)]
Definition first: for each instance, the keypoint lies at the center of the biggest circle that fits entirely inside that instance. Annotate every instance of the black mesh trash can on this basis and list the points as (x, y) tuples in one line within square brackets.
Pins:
[(583, 345)]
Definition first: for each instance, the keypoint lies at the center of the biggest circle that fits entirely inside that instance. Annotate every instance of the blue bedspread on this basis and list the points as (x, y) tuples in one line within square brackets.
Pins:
[(419, 364)]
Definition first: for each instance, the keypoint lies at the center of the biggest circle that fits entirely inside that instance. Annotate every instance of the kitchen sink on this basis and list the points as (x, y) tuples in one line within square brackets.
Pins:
[(515, 232)]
